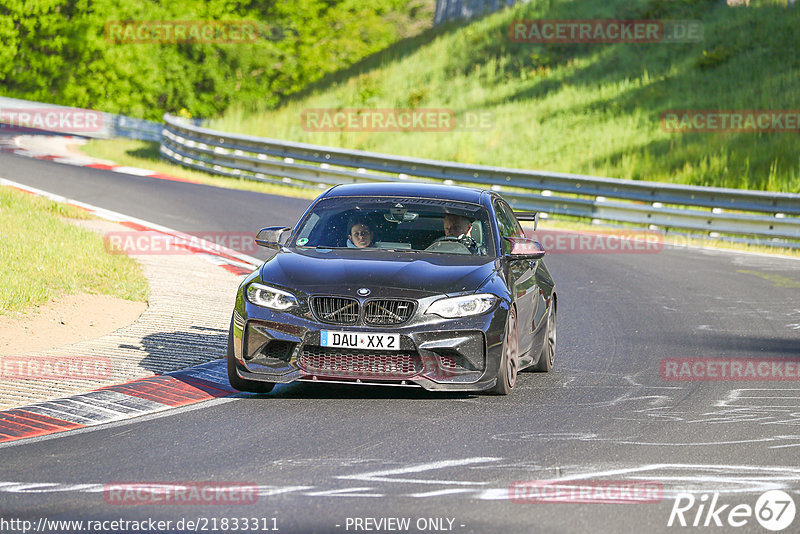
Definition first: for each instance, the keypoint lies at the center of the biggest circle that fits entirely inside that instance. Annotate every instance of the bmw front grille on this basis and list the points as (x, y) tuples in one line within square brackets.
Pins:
[(376, 312)]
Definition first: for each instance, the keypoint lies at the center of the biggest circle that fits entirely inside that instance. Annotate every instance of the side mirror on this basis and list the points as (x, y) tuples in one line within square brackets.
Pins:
[(528, 216), (271, 237), (523, 248)]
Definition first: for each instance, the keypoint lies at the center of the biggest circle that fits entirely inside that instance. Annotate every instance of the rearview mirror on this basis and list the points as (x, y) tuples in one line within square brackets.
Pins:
[(523, 248), (271, 237), (400, 215)]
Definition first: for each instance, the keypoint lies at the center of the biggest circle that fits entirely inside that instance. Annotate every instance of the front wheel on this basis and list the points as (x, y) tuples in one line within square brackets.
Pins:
[(238, 383), (509, 362), (545, 363)]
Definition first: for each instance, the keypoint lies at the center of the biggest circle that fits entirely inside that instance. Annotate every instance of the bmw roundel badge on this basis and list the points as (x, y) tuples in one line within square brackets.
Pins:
[(364, 291)]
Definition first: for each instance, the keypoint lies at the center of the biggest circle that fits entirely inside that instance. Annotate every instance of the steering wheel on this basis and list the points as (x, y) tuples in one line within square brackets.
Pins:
[(464, 240)]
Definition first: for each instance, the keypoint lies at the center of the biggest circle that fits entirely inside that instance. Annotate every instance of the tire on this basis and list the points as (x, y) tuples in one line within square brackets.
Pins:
[(509, 362), (546, 359), (238, 383)]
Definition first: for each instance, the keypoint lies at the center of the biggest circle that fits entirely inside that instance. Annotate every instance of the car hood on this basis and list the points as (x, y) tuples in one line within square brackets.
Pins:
[(385, 273)]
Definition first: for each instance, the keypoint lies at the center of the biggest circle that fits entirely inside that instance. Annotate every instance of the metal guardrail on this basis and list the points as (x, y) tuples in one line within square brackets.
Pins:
[(669, 206), (104, 125), (653, 204)]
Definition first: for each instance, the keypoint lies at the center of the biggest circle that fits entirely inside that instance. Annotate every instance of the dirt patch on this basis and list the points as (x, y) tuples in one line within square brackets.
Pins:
[(67, 320), (56, 145)]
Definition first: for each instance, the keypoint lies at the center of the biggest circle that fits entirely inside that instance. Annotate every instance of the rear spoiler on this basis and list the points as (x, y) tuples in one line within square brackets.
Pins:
[(528, 216)]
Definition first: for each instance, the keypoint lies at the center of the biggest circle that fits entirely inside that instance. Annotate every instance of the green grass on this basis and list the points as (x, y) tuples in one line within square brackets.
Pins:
[(44, 255), (145, 154), (582, 108)]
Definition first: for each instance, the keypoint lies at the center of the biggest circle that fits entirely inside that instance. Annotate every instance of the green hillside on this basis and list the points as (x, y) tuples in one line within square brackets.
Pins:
[(586, 107), (62, 51)]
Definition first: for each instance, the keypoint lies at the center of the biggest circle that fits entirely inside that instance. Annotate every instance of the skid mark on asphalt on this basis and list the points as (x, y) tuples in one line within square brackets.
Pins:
[(762, 406), (385, 476), (674, 478), (589, 436), (762, 398)]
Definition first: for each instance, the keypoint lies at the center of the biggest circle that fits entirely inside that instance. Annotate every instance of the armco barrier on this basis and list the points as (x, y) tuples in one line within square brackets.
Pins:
[(108, 125), (704, 209), (708, 210)]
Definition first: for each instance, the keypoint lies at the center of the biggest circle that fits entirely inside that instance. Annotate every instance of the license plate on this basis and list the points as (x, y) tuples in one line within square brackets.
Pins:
[(359, 340)]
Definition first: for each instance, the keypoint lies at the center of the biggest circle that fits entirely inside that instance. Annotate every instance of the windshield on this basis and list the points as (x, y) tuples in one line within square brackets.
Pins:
[(400, 224)]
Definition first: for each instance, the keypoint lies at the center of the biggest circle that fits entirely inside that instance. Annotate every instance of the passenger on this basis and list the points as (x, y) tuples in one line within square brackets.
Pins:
[(359, 234)]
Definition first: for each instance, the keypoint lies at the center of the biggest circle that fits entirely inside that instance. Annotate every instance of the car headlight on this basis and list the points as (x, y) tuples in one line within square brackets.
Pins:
[(270, 297), (462, 306)]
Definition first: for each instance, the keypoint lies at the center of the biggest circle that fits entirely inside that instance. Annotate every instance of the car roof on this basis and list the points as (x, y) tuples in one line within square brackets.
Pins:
[(412, 190)]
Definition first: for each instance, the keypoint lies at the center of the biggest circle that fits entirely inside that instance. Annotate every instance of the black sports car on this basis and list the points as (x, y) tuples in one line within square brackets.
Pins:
[(396, 284)]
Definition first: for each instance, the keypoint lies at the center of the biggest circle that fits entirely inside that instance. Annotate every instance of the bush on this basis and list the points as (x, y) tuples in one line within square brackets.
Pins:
[(57, 51)]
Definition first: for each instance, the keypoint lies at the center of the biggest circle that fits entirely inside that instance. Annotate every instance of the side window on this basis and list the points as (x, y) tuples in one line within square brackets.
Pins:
[(507, 223)]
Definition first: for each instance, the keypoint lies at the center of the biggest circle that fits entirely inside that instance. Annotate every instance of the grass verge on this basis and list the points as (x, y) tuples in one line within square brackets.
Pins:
[(44, 255)]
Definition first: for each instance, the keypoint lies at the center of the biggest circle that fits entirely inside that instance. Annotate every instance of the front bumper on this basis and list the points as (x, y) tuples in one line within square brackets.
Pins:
[(436, 354)]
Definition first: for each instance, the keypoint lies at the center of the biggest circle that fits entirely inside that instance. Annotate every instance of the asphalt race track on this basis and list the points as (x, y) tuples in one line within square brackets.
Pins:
[(324, 457)]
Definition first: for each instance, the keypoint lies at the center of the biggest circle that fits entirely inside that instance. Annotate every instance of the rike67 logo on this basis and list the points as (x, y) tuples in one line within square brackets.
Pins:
[(774, 510)]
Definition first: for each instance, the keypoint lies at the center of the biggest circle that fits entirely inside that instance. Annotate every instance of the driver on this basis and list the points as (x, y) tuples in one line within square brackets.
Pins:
[(457, 228), (456, 225)]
